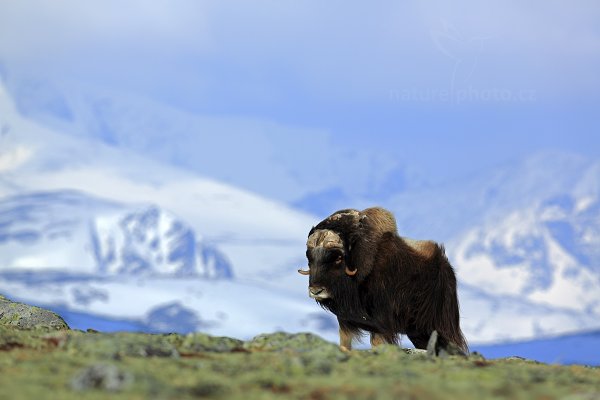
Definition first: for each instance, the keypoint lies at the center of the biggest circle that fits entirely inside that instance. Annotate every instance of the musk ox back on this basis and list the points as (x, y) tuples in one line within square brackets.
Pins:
[(376, 281)]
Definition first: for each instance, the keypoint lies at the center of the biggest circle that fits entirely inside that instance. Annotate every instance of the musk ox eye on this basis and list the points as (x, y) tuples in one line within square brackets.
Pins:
[(338, 260)]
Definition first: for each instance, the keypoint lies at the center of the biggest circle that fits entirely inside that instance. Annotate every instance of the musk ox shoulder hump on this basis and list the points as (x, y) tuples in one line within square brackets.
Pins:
[(425, 248), (379, 220)]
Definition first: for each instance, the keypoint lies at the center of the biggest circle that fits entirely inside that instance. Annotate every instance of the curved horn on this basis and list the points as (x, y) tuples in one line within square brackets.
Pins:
[(351, 273), (302, 272)]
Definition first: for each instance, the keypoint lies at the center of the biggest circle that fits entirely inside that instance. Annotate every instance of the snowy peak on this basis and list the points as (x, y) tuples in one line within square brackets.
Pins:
[(547, 254), (74, 232), (212, 263), (144, 241), (575, 223), (153, 241)]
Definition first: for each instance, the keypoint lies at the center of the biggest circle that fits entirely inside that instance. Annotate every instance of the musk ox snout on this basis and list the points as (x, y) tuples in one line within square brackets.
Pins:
[(318, 292)]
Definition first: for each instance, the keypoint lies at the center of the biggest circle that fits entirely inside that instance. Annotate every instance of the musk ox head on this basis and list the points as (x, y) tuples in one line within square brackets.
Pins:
[(327, 255), (326, 263), (341, 249)]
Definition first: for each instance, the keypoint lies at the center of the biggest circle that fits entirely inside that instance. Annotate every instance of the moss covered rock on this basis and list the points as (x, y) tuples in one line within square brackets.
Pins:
[(118, 345), (200, 342), (101, 376), (23, 316), (280, 341)]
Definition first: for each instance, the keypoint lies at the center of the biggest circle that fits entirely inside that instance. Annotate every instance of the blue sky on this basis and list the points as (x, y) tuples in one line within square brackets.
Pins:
[(448, 88)]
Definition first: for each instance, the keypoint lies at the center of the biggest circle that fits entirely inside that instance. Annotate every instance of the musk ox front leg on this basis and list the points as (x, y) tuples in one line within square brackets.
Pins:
[(347, 334), (378, 339)]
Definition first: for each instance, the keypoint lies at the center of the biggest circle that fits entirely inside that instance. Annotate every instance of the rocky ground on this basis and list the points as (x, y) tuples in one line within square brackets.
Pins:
[(40, 358)]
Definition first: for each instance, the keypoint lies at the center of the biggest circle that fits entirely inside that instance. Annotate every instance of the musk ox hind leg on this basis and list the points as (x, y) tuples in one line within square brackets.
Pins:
[(435, 343), (440, 346), (419, 339)]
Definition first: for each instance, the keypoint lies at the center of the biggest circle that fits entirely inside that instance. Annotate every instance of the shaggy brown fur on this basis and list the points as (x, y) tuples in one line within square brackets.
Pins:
[(360, 231), (401, 287)]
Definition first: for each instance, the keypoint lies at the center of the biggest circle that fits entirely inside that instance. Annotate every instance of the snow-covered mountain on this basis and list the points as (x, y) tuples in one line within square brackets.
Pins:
[(151, 241), (83, 224), (73, 232), (548, 254), (49, 231), (100, 230), (256, 234), (446, 210)]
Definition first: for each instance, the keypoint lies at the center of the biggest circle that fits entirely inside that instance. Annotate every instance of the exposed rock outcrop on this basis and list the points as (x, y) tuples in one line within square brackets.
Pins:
[(24, 316)]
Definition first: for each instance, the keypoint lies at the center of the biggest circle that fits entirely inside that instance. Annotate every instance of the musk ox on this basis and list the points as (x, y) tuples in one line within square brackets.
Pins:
[(373, 280)]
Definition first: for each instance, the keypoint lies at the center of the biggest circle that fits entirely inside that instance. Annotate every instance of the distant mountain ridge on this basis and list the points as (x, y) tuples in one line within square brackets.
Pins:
[(547, 254), (101, 237)]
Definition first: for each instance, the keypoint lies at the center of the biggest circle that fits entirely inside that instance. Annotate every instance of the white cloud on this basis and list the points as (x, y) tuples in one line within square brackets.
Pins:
[(12, 159), (37, 27), (332, 51)]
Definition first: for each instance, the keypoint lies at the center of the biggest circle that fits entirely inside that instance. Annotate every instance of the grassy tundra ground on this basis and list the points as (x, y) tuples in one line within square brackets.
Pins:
[(40, 358), (65, 364)]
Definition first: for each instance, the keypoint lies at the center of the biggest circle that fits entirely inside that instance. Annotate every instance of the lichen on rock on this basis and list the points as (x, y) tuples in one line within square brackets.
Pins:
[(24, 316), (122, 344), (201, 342), (101, 376), (280, 341)]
